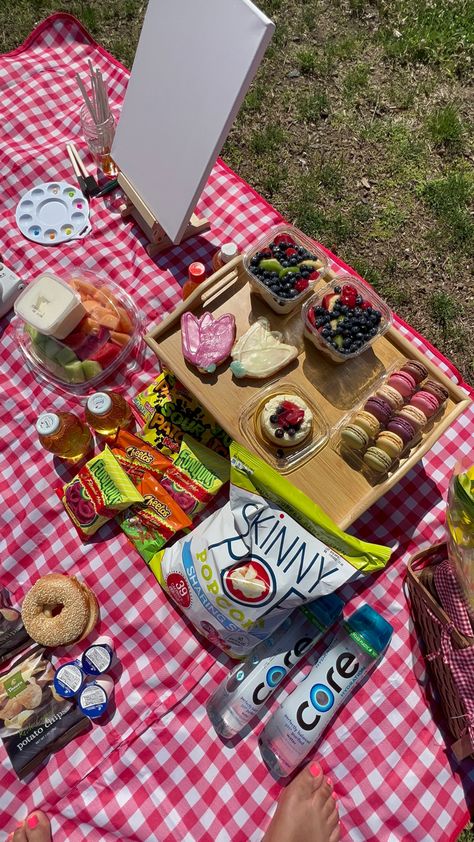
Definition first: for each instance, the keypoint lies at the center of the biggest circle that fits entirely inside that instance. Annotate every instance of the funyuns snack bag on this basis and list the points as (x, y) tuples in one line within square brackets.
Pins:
[(195, 476), (242, 571), (170, 412)]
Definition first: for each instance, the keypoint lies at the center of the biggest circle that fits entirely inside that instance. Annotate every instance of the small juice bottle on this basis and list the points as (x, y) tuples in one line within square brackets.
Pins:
[(226, 253), (196, 275), (106, 412), (64, 434)]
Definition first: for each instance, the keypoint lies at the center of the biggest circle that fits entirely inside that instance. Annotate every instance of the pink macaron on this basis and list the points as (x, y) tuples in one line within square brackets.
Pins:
[(403, 382), (426, 402)]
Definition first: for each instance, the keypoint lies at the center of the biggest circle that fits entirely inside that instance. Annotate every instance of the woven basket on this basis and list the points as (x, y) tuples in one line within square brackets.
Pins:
[(425, 608)]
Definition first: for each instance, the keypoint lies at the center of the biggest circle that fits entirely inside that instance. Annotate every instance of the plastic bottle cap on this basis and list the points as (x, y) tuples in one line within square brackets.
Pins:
[(47, 424), (228, 252), (197, 273), (99, 403), (371, 626)]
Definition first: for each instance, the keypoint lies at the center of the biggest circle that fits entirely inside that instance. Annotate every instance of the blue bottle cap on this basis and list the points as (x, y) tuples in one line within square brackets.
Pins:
[(325, 610), (93, 700), (371, 626), (68, 680)]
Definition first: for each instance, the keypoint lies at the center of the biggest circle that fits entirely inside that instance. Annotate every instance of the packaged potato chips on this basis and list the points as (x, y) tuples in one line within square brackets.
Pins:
[(241, 572), (151, 524), (97, 493)]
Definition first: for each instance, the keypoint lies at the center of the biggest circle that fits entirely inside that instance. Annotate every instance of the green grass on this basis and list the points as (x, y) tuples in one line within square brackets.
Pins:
[(443, 309), (445, 128), (267, 140), (312, 106), (306, 61), (449, 199), (356, 79)]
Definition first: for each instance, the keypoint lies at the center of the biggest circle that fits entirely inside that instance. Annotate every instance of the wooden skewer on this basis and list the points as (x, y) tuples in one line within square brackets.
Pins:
[(72, 158), (219, 287), (86, 98), (71, 148)]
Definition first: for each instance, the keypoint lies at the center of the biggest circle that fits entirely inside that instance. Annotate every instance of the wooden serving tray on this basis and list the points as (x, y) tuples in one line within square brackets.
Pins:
[(343, 493)]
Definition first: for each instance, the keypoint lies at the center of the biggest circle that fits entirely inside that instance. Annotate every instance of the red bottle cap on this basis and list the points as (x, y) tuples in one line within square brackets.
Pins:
[(197, 273)]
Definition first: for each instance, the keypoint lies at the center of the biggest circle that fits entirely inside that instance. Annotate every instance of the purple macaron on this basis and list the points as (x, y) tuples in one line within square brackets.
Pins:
[(379, 408), (417, 370), (402, 428), (439, 391)]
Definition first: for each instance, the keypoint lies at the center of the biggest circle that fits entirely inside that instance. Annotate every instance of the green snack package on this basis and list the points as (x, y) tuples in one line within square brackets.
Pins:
[(195, 476)]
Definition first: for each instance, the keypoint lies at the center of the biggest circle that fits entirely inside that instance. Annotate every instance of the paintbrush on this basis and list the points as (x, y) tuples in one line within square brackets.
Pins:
[(90, 184)]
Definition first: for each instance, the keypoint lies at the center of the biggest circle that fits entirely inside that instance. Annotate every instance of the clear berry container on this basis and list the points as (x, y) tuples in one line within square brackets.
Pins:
[(365, 327), (104, 341), (276, 290)]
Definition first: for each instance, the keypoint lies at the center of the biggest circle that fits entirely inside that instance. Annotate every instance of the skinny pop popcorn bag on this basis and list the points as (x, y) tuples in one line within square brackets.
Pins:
[(241, 572)]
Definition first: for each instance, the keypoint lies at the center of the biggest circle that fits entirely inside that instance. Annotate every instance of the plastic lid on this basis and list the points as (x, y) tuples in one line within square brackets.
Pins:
[(99, 403), (228, 252), (97, 658), (197, 273), (326, 609), (47, 423), (371, 626), (68, 680), (93, 700)]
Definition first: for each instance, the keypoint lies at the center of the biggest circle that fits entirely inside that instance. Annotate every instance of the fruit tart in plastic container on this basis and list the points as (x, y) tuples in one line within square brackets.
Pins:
[(283, 267), (344, 318), (77, 330)]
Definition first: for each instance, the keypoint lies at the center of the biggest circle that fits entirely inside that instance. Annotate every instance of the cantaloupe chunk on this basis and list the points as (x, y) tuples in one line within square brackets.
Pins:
[(119, 338), (126, 325), (90, 304), (105, 317)]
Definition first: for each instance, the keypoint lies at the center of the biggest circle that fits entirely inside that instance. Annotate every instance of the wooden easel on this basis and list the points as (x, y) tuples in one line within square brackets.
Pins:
[(144, 217)]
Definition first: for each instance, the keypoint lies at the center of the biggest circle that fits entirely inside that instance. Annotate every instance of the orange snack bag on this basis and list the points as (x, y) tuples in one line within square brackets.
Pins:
[(141, 453), (151, 524)]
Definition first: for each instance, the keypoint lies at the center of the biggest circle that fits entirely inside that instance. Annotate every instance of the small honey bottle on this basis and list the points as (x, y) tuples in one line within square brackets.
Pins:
[(107, 412), (226, 253), (196, 275), (64, 435)]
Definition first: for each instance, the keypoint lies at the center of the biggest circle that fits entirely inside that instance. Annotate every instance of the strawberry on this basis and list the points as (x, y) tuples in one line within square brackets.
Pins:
[(301, 284), (365, 305), (294, 417), (288, 406), (283, 238), (347, 289), (291, 252), (311, 316), (314, 276)]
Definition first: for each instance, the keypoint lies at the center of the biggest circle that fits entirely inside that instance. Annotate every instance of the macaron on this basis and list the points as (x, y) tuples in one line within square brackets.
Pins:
[(377, 460), (379, 408), (389, 394), (414, 416), (390, 443), (417, 370), (367, 422), (426, 402), (354, 437), (403, 382), (437, 390), (402, 428)]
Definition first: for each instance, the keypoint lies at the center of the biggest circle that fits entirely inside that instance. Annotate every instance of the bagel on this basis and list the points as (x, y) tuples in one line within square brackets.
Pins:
[(51, 592), (94, 613)]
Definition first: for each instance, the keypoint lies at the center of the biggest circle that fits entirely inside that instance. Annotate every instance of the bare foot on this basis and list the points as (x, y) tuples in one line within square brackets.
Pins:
[(35, 828), (306, 810)]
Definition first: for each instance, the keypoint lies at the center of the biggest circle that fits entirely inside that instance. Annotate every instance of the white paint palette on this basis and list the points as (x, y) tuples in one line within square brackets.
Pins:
[(52, 213)]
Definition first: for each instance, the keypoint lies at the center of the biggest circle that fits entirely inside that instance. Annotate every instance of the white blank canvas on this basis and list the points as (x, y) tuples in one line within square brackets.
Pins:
[(194, 63)]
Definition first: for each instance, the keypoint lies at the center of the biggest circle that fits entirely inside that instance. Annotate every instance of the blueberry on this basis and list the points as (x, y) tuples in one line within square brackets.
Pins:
[(285, 264), (274, 287), (274, 419), (359, 299), (280, 453), (325, 332), (337, 289), (373, 332), (291, 431), (279, 433), (279, 410)]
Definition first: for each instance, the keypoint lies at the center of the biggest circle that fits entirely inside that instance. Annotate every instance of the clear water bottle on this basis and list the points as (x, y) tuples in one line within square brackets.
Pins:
[(240, 696), (297, 725)]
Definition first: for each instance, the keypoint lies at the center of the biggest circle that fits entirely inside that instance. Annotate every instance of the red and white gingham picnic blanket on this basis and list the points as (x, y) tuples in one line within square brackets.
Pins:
[(157, 772)]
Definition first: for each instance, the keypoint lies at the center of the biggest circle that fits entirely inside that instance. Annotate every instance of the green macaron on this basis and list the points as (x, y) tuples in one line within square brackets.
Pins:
[(354, 437), (377, 460)]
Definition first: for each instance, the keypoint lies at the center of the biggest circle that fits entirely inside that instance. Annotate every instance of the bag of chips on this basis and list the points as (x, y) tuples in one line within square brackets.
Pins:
[(242, 570), (171, 412), (13, 636), (34, 721), (195, 476), (140, 453), (151, 524), (97, 493)]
